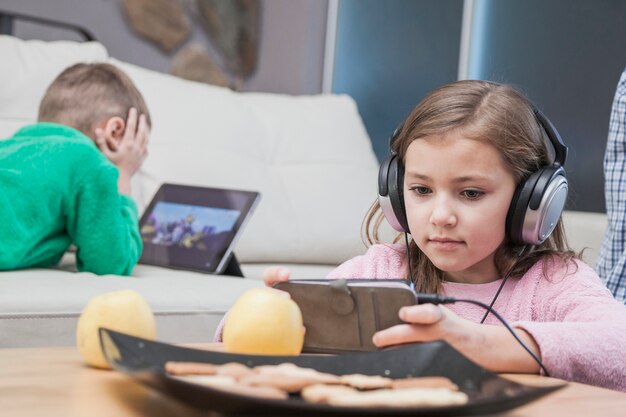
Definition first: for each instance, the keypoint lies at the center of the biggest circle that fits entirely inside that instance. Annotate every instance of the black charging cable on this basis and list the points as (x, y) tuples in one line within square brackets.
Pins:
[(523, 251), (423, 298)]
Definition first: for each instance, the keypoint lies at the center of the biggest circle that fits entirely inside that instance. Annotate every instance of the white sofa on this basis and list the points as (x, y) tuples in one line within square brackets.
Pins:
[(309, 156)]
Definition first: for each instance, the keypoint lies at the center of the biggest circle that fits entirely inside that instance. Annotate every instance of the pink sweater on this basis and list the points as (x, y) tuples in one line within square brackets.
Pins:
[(578, 325)]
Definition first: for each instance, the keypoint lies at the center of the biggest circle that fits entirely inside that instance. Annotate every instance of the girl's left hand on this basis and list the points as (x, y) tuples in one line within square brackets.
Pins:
[(490, 346), (425, 323)]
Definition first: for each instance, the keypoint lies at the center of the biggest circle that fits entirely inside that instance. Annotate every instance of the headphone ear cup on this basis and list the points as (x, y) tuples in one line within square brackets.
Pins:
[(517, 209), (391, 192), (537, 206)]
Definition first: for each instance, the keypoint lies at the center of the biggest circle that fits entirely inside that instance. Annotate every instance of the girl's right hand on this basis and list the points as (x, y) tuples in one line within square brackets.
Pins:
[(275, 274)]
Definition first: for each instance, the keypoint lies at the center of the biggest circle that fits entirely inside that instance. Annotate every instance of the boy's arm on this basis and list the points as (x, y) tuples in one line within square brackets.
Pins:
[(103, 224)]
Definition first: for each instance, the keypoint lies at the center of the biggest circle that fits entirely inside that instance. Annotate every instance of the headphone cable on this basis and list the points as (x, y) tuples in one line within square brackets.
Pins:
[(423, 298), (408, 256), (504, 280)]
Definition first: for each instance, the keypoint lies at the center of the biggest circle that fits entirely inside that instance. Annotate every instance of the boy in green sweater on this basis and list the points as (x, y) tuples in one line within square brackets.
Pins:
[(66, 179)]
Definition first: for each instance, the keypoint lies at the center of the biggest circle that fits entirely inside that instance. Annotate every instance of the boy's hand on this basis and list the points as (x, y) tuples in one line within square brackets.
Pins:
[(129, 153)]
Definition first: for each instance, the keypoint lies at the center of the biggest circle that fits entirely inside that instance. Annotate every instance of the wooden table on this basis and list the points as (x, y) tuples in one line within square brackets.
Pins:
[(53, 382)]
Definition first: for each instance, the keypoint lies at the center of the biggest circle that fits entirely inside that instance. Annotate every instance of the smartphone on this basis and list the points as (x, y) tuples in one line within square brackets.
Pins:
[(343, 315)]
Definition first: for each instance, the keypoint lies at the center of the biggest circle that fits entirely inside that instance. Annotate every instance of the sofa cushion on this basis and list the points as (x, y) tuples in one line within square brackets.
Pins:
[(40, 307)]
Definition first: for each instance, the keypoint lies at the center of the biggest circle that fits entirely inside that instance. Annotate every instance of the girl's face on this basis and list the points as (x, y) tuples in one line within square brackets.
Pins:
[(457, 193)]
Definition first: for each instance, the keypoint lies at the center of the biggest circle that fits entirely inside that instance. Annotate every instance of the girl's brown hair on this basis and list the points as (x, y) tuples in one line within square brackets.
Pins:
[(84, 94), (496, 114)]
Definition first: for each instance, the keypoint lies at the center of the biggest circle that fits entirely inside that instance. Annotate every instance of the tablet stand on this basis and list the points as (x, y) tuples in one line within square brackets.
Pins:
[(232, 267)]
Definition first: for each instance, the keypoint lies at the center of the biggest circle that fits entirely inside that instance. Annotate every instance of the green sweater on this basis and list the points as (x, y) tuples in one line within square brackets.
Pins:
[(57, 189)]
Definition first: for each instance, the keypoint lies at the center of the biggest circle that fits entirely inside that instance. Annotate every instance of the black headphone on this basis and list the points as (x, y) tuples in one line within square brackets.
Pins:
[(536, 205)]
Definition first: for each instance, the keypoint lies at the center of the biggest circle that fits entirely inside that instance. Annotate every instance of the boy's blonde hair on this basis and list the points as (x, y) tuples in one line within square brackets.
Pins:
[(496, 114), (85, 94)]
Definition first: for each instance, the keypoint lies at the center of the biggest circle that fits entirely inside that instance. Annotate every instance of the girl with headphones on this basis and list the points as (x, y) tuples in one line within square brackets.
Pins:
[(476, 178)]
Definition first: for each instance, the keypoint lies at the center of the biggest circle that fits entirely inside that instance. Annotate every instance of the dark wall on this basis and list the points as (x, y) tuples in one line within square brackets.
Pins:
[(567, 55), (390, 53)]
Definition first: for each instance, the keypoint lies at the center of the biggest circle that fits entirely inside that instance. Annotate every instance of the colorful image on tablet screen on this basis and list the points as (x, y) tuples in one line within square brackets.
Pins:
[(188, 226)]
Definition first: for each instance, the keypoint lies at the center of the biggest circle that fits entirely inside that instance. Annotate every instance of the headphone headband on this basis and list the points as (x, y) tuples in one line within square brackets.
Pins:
[(560, 149)]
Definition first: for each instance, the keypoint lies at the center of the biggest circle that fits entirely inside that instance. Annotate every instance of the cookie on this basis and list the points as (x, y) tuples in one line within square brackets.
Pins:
[(190, 368), (288, 377), (229, 384), (408, 397), (291, 370), (289, 383), (269, 393), (208, 380), (234, 369), (365, 382), (320, 393), (425, 382)]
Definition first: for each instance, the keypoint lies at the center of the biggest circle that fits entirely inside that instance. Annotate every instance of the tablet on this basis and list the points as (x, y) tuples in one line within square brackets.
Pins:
[(194, 228)]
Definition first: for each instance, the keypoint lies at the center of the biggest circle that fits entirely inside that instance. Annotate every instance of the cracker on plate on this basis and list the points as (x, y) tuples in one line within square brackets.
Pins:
[(406, 397), (190, 368), (365, 382)]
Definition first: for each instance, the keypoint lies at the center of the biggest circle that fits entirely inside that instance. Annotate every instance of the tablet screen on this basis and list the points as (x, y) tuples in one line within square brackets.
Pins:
[(194, 228)]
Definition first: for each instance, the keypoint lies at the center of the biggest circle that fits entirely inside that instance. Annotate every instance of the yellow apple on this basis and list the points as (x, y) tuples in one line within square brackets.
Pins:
[(125, 311), (263, 322)]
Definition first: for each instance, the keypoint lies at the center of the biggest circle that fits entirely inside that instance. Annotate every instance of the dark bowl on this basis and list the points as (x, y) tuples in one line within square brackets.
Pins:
[(144, 360)]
